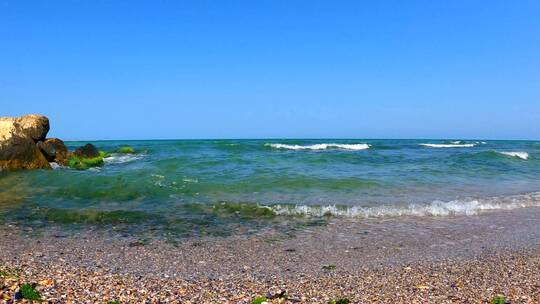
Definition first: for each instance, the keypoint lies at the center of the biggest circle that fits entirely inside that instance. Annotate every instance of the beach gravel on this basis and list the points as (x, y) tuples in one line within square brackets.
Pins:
[(458, 260)]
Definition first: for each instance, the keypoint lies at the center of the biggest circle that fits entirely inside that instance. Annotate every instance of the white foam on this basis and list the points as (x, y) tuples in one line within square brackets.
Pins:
[(55, 165), (522, 155), (320, 146), (435, 208), (451, 145), (117, 158), (190, 180)]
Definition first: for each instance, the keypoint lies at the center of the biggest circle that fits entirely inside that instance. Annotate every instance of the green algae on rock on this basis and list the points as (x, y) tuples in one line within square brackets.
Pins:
[(86, 157), (126, 150), (84, 163)]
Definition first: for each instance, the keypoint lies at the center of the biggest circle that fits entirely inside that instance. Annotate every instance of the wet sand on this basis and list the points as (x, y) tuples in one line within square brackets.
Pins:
[(464, 259)]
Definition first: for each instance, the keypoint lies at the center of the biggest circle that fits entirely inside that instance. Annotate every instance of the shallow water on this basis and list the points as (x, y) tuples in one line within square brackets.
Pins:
[(222, 186)]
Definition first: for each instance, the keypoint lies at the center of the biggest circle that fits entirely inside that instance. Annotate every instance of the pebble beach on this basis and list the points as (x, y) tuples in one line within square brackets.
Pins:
[(462, 259), (269, 152)]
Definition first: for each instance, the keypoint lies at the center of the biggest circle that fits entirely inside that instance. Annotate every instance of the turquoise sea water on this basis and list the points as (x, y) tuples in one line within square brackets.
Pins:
[(185, 187)]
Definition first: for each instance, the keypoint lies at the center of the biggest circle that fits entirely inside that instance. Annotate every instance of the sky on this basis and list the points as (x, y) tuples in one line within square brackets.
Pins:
[(273, 69)]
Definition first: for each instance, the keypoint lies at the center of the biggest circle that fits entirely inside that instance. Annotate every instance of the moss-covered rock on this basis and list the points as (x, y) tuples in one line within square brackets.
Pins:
[(83, 163), (126, 149)]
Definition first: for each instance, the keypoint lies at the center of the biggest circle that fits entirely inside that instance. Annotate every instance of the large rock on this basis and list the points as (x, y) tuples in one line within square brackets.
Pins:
[(32, 126), (18, 137), (54, 150), (35, 126), (21, 153), (86, 151)]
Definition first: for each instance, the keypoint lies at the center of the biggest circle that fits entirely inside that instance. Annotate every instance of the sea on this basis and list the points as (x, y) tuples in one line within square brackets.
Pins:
[(185, 188)]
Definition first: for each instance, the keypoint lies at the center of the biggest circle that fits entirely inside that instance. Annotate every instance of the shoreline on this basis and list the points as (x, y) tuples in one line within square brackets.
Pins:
[(455, 259)]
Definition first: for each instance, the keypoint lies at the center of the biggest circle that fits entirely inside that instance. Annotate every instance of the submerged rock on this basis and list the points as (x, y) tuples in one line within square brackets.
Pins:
[(54, 150), (18, 137)]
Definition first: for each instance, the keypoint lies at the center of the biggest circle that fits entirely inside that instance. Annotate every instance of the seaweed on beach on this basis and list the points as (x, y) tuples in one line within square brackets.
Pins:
[(329, 267), (498, 300), (28, 292), (259, 300)]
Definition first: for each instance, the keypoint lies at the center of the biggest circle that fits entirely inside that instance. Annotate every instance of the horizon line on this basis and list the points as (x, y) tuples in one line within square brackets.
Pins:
[(298, 138)]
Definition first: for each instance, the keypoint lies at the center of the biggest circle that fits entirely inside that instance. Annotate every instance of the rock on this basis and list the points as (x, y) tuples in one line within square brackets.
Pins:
[(86, 151), (18, 136), (18, 295), (21, 153), (35, 126), (54, 150), (32, 126)]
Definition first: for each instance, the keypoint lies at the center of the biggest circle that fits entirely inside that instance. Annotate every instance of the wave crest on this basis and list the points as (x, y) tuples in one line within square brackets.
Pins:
[(451, 145), (323, 146), (521, 155), (116, 158)]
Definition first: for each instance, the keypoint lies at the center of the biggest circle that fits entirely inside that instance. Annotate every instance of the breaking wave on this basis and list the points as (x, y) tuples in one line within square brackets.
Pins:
[(319, 146), (450, 145), (117, 158), (522, 155), (435, 208)]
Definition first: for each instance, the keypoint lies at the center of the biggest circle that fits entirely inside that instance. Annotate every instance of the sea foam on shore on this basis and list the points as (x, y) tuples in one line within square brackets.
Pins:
[(435, 208)]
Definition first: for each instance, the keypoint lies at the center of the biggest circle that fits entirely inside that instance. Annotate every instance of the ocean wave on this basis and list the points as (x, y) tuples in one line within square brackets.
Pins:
[(319, 146), (522, 155), (116, 158), (450, 145), (435, 208)]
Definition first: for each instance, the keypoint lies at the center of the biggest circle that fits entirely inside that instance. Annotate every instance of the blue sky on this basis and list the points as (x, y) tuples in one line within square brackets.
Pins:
[(259, 69)]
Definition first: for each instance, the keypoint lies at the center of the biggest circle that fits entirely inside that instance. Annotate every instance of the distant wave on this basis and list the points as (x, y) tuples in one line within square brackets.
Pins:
[(455, 144), (522, 155), (319, 146), (435, 208)]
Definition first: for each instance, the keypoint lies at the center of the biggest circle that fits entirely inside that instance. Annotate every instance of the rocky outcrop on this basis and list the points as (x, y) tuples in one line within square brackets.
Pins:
[(54, 150), (24, 145), (18, 142), (32, 126), (21, 153), (86, 151)]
